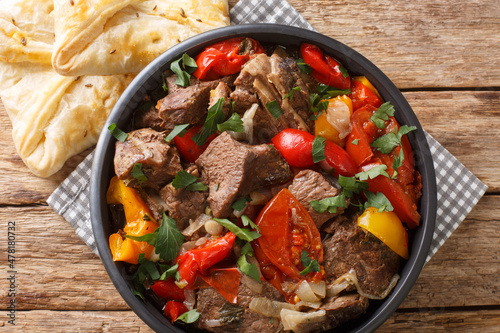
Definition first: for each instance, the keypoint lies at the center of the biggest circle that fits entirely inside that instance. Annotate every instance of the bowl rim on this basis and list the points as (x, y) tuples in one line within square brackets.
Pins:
[(423, 237)]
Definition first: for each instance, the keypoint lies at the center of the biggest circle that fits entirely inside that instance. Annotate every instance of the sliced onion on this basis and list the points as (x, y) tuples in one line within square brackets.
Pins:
[(257, 198), (269, 308), (187, 246), (190, 299), (197, 224), (301, 305), (301, 322), (213, 323), (350, 278), (305, 292), (201, 241), (252, 284), (319, 288)]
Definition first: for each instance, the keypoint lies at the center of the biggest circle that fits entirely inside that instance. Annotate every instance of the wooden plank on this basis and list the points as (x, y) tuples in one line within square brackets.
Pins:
[(57, 271), (417, 44), (126, 321), (465, 122)]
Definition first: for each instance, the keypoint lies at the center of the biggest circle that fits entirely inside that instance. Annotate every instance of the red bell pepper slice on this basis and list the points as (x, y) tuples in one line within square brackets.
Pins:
[(188, 149), (404, 207), (358, 142), (361, 95), (340, 160), (167, 289), (287, 229), (226, 281), (324, 68), (225, 58), (174, 309), (200, 259)]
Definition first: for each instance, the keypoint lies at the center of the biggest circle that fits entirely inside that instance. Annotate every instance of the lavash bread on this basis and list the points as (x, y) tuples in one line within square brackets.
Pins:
[(102, 37), (53, 117)]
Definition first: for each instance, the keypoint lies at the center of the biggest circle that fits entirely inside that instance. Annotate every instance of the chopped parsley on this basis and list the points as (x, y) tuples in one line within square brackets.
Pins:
[(240, 204), (215, 116), (379, 201), (355, 142), (274, 109), (304, 68), (291, 92), (189, 317), (318, 149), (343, 71), (329, 204), (318, 105), (117, 133), (309, 264), (184, 179), (169, 239), (138, 174), (242, 233), (248, 268), (351, 185), (382, 114), (183, 67), (179, 130), (373, 172), (164, 82), (234, 123)]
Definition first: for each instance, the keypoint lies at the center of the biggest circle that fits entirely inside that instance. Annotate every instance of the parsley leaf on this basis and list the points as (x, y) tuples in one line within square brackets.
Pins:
[(117, 133), (351, 185), (382, 114), (169, 272), (169, 239), (304, 68), (138, 174), (309, 264), (240, 204), (246, 221), (248, 268), (355, 142), (274, 108), (189, 317), (343, 71), (164, 82), (234, 123), (242, 233), (183, 179), (138, 293), (183, 67), (290, 93), (148, 238), (379, 201), (198, 186), (318, 149), (329, 204), (215, 116), (146, 270), (328, 91), (398, 161), (178, 130), (318, 105), (373, 172)]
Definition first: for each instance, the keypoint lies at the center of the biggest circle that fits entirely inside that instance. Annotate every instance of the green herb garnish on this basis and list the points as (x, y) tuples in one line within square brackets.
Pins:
[(248, 268), (169, 239), (240, 204), (351, 185), (234, 123), (379, 201), (318, 149), (178, 130), (138, 174), (304, 68), (183, 67), (329, 204), (309, 264), (291, 92), (215, 116), (117, 133), (383, 113), (242, 233), (274, 108), (373, 172), (189, 317), (184, 179)]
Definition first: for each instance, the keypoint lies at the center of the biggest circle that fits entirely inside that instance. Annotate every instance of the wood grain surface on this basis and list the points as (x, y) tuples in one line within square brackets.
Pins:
[(444, 56)]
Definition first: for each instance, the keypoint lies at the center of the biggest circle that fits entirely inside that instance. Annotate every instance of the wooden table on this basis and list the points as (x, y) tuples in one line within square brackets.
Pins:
[(445, 57)]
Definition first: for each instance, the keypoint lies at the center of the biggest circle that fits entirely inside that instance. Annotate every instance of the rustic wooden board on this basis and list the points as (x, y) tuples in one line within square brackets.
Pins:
[(465, 123), (417, 43), (41, 321), (56, 270)]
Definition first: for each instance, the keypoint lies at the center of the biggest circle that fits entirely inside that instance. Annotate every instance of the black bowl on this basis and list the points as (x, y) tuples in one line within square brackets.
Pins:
[(150, 78)]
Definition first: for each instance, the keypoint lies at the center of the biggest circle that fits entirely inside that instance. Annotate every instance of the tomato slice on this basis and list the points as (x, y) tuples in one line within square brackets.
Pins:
[(226, 281), (295, 146), (362, 95), (287, 229)]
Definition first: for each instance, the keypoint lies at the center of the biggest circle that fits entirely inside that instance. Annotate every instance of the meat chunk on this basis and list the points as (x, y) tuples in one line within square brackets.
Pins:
[(182, 204), (232, 169), (351, 247), (148, 117), (160, 161), (213, 308), (343, 309), (309, 185), (187, 105)]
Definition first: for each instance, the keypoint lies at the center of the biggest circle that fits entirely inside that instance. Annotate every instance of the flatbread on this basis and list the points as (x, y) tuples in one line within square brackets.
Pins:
[(101, 37), (53, 117)]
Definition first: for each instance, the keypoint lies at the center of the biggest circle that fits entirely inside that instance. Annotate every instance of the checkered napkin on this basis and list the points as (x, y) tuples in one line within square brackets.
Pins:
[(458, 189)]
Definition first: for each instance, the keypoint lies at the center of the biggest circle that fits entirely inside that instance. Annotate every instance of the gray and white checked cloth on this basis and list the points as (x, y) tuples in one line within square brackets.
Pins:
[(458, 189)]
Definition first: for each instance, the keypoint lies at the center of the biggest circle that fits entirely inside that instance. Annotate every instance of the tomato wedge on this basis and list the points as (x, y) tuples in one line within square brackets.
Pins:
[(174, 309), (362, 95), (287, 229), (188, 149), (167, 289), (226, 281)]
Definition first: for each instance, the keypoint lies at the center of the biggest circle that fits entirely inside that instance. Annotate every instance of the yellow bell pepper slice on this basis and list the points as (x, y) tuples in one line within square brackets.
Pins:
[(335, 124), (387, 227), (139, 221), (368, 84)]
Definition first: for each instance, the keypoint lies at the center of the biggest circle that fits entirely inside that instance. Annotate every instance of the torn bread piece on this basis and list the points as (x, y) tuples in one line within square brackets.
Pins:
[(102, 37)]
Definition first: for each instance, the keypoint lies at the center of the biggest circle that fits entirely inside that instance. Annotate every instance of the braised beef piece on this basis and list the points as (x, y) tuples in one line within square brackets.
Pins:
[(351, 247), (187, 105), (344, 308), (153, 200), (160, 161), (221, 91), (232, 169), (243, 100), (182, 204), (309, 185), (148, 117), (211, 305)]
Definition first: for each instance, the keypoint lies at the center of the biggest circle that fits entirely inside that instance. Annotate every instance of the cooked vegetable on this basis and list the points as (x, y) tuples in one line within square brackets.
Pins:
[(188, 149), (335, 124), (174, 309), (363, 93), (167, 289), (325, 69)]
